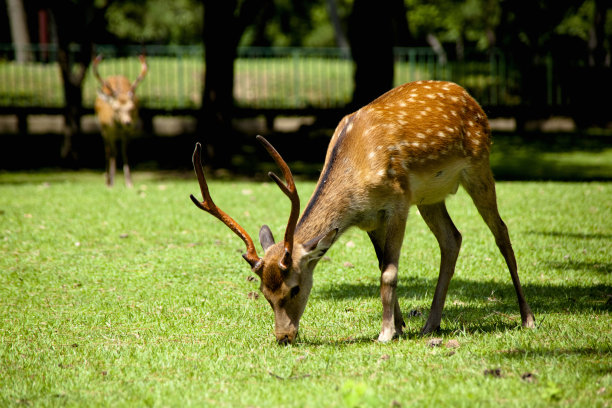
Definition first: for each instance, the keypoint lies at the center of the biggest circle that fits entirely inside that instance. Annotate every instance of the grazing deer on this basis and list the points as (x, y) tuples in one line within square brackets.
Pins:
[(413, 145), (116, 108)]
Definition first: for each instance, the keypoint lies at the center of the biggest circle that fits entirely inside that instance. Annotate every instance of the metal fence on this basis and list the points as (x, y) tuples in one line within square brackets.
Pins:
[(265, 78)]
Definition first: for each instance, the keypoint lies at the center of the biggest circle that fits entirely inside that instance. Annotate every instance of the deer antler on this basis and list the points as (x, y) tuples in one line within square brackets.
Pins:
[(143, 73), (209, 206), (104, 83), (291, 192)]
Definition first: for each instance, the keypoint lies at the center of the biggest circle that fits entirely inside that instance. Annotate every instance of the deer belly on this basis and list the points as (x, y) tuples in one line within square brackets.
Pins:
[(430, 187)]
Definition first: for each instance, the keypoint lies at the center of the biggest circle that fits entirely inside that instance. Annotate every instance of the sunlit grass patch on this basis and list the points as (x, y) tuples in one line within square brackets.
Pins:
[(118, 297)]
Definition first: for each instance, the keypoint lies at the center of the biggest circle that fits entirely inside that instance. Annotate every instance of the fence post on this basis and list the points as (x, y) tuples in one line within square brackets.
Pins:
[(412, 59), (180, 78), (296, 73)]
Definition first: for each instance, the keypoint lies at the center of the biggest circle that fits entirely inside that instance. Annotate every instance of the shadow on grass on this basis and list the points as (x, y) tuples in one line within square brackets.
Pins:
[(412, 335), (563, 234), (562, 157), (498, 311), (571, 265), (529, 156), (543, 298), (546, 352)]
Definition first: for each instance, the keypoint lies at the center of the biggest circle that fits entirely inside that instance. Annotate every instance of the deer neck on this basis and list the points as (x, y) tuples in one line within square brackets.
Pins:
[(325, 211), (335, 202)]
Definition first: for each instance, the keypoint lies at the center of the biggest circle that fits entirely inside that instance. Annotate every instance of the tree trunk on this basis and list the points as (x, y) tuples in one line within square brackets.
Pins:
[(597, 35), (371, 37), (341, 41), (73, 66), (19, 30), (224, 25), (220, 43), (436, 45), (72, 84), (598, 78)]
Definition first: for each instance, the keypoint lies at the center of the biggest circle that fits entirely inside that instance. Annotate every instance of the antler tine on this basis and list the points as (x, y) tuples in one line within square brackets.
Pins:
[(104, 83), (291, 192), (143, 72), (209, 206)]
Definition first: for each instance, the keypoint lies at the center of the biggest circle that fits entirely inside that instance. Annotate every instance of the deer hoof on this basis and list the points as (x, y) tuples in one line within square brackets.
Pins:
[(529, 322), (429, 328), (386, 336)]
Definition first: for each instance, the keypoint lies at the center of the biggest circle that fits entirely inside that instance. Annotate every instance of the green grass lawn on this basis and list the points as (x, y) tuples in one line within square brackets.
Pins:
[(137, 298)]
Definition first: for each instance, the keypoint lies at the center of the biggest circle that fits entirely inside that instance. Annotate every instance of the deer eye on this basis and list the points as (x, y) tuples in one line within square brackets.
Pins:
[(294, 291)]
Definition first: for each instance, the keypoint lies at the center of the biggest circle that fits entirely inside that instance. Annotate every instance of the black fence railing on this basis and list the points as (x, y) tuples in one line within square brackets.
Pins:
[(265, 78)]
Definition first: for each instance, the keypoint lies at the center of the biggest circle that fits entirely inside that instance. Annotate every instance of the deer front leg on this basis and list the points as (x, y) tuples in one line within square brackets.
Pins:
[(126, 167), (389, 238), (111, 161), (449, 239), (378, 241)]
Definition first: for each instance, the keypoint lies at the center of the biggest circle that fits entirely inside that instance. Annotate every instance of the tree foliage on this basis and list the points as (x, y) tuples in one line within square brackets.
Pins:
[(296, 23), (457, 24), (157, 21)]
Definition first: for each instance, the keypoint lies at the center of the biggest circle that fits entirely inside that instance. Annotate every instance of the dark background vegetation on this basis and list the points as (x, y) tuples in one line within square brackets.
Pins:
[(575, 34)]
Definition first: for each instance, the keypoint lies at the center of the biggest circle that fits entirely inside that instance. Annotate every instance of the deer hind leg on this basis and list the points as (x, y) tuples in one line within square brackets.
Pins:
[(110, 151), (387, 241), (478, 182), (126, 167), (449, 239)]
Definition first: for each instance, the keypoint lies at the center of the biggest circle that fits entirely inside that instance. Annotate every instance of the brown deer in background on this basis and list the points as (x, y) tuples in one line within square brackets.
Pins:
[(116, 108), (413, 145)]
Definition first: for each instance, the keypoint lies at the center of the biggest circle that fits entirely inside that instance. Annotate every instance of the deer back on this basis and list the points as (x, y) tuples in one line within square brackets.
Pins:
[(406, 147)]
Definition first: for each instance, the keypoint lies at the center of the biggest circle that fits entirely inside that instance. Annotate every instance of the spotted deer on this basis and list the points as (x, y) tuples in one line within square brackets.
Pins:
[(116, 109), (413, 145)]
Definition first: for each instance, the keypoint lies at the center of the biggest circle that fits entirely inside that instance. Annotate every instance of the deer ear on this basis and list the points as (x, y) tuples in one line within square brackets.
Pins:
[(265, 237), (316, 248)]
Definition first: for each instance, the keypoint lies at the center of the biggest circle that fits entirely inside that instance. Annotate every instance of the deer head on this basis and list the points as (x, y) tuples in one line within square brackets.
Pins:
[(285, 271), (119, 94)]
